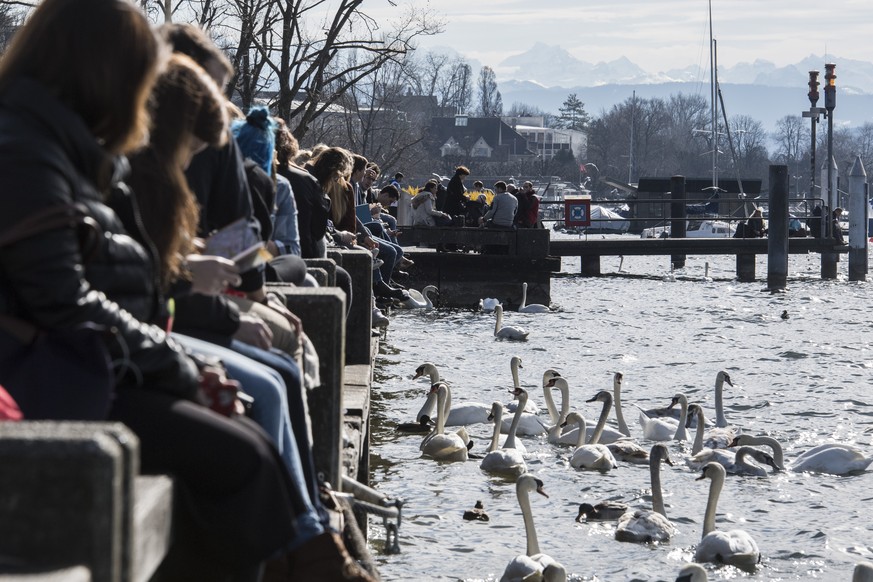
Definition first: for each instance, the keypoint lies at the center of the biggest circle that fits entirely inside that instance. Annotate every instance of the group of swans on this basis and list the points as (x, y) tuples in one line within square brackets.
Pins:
[(507, 460), (533, 565), (734, 462)]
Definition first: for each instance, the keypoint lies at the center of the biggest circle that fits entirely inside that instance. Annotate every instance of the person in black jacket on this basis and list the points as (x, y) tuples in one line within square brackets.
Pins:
[(73, 85), (456, 201)]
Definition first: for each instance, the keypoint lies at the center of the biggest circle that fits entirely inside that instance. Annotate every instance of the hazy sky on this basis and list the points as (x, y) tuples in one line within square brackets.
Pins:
[(657, 35)]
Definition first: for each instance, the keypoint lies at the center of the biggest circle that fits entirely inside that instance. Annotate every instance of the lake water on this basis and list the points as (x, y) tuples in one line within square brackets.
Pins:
[(804, 380)]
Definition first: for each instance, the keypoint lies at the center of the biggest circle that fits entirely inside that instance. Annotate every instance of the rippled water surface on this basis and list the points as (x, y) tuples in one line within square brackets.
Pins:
[(804, 380)]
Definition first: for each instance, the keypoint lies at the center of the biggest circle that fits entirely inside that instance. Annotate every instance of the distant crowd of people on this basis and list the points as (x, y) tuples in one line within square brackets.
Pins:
[(505, 206)]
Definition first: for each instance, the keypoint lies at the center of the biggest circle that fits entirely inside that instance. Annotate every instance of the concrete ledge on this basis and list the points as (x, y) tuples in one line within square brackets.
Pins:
[(153, 520), (72, 574), (526, 242), (320, 276)]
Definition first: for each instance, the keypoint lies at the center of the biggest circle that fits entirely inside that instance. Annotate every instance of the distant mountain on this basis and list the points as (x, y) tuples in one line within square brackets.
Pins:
[(551, 65), (763, 103)]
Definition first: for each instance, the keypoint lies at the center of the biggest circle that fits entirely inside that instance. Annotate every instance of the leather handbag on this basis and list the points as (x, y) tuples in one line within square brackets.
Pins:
[(64, 373)]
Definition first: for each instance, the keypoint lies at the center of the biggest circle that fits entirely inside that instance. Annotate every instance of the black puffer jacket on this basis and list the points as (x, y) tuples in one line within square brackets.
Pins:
[(313, 209), (48, 157)]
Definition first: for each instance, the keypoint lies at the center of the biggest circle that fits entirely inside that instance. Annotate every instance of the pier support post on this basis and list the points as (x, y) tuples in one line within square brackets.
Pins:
[(829, 260), (678, 212), (591, 265), (858, 211), (777, 229), (746, 268)]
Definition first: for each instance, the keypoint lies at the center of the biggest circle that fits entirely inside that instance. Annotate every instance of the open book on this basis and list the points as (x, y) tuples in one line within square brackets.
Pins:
[(238, 242)]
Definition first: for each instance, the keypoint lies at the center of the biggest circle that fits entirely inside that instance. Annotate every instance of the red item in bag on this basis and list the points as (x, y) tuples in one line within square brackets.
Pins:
[(8, 408)]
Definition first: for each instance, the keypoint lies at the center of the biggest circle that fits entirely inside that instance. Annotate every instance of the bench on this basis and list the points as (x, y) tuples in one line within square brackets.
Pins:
[(523, 242)]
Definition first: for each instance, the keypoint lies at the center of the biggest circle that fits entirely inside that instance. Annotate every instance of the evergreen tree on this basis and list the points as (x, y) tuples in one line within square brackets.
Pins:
[(573, 114)]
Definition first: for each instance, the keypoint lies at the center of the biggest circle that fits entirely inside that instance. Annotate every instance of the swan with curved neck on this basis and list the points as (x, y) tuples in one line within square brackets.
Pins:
[(617, 380), (507, 460), (533, 307), (648, 525), (665, 429), (554, 415), (439, 445), (420, 300), (508, 332), (721, 421), (734, 547), (531, 407), (592, 456), (624, 449), (692, 573), (531, 565), (831, 458)]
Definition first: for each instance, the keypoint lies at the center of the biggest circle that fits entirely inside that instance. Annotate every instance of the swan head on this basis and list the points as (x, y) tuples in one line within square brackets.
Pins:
[(496, 411), (762, 457), (528, 482), (712, 470), (660, 454), (574, 418), (549, 374), (692, 573), (617, 378), (724, 377), (693, 410), (679, 398), (557, 382), (602, 396), (426, 368), (515, 362)]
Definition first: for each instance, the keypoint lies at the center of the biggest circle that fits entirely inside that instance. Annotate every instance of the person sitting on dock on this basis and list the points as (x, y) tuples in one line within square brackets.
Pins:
[(836, 227), (423, 211), (503, 208)]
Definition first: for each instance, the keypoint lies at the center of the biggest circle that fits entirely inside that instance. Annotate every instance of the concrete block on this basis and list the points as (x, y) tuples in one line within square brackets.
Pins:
[(72, 574), (63, 490), (359, 264), (320, 275), (153, 521), (322, 310), (329, 267)]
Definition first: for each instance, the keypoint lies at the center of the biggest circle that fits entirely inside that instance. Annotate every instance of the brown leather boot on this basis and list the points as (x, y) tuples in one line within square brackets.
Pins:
[(325, 559)]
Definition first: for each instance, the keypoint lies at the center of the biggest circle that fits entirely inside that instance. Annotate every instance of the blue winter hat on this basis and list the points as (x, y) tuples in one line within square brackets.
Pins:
[(256, 136)]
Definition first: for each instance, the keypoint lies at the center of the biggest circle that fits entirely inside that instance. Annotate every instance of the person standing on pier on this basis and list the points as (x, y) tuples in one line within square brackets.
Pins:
[(528, 207), (503, 208), (456, 199)]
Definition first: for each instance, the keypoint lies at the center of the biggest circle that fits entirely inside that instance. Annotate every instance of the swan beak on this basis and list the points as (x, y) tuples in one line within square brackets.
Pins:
[(541, 492), (550, 383), (594, 399), (734, 442), (702, 476), (728, 380), (417, 375), (563, 424), (491, 417)]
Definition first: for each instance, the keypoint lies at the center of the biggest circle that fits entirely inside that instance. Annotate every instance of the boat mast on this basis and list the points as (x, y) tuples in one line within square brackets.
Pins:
[(713, 82)]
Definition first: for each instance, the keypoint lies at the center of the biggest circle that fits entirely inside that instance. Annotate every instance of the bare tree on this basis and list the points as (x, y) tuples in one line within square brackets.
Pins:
[(490, 101)]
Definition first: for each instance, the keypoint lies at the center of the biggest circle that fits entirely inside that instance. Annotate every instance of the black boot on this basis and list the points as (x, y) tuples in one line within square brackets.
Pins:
[(384, 290)]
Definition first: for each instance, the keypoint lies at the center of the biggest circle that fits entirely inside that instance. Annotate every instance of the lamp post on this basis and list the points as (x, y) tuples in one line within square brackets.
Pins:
[(830, 92)]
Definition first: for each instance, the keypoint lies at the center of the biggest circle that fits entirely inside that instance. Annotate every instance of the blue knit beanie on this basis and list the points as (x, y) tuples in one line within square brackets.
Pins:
[(256, 136)]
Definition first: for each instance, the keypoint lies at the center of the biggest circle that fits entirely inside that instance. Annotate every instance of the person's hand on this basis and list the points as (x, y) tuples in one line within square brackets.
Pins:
[(296, 323), (376, 209), (346, 237), (254, 331), (368, 243), (272, 248), (210, 275)]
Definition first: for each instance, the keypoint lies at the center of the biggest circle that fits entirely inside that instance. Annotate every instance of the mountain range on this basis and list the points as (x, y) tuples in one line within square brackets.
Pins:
[(545, 75)]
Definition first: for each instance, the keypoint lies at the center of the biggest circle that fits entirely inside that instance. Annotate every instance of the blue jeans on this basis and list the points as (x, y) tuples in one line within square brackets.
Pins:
[(271, 412)]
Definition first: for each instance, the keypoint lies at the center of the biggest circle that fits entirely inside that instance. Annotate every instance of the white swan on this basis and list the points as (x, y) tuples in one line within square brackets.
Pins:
[(624, 448), (692, 573), (508, 460), (648, 525), (532, 565), (514, 365), (591, 456), (528, 424), (665, 429), (734, 547), (420, 300), (617, 380), (488, 304), (439, 445), (554, 415), (832, 458), (460, 414), (509, 332), (533, 307)]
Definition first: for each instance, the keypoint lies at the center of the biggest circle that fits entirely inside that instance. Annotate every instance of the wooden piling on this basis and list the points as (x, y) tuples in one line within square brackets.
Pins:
[(678, 216), (777, 229), (858, 211)]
